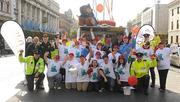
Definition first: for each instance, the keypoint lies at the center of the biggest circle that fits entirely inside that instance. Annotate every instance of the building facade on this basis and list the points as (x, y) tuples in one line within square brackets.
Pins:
[(157, 16), (5, 11), (38, 15), (67, 22), (174, 21), (147, 16), (137, 20), (64, 23)]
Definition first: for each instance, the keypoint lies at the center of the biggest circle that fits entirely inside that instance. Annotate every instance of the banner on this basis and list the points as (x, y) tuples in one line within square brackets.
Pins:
[(14, 36)]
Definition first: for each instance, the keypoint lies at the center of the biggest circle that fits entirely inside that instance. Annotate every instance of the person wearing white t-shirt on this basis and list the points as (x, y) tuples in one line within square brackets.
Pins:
[(71, 71), (82, 75), (99, 48), (93, 44), (98, 58), (93, 73), (114, 55), (53, 71), (163, 55), (63, 52), (77, 50), (122, 72), (108, 71), (63, 49)]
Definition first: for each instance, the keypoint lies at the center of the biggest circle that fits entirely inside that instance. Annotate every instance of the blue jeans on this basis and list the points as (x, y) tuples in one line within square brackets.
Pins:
[(54, 81)]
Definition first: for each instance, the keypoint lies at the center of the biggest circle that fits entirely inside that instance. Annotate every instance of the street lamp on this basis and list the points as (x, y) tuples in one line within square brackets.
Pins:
[(158, 2)]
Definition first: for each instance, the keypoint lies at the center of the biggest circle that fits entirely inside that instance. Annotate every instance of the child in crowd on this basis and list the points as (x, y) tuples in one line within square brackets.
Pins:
[(53, 71), (107, 79), (122, 72), (71, 74), (93, 74), (82, 76)]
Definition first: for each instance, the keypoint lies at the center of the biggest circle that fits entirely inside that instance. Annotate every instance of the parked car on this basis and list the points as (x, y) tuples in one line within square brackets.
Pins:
[(175, 58)]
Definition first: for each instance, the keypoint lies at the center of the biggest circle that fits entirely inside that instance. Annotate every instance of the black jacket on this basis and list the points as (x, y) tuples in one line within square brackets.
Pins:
[(46, 48)]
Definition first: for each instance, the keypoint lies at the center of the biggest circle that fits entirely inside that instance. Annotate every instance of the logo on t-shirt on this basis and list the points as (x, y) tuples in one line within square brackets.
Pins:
[(107, 71), (160, 57), (53, 68), (83, 72), (120, 71), (77, 54), (94, 76), (145, 54), (65, 51)]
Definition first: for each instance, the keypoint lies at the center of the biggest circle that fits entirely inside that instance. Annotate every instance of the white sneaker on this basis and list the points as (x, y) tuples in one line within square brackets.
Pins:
[(59, 88), (101, 90)]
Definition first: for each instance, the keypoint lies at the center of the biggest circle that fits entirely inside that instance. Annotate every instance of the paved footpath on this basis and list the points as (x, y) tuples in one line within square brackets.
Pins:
[(12, 89)]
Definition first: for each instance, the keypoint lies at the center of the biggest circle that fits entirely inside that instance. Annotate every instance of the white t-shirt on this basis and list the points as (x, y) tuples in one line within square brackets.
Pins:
[(71, 76), (123, 72), (94, 75), (163, 58), (75, 51), (146, 52), (95, 50), (108, 70), (53, 67), (100, 62), (82, 75), (111, 56), (63, 51), (93, 46)]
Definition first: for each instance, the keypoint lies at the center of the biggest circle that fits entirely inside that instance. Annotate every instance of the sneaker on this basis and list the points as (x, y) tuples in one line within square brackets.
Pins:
[(152, 86), (146, 93), (59, 88), (101, 90), (162, 90), (111, 89), (40, 87)]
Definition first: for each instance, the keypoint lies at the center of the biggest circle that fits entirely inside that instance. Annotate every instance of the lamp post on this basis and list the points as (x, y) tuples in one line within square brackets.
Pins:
[(158, 2)]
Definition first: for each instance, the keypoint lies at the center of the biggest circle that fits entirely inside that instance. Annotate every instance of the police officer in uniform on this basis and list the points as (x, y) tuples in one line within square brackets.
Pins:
[(140, 69), (34, 69)]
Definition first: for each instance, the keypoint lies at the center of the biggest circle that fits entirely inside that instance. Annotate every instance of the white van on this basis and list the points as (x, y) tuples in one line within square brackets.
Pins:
[(175, 58)]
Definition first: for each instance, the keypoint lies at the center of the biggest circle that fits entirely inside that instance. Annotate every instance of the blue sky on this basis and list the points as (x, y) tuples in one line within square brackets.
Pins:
[(123, 10)]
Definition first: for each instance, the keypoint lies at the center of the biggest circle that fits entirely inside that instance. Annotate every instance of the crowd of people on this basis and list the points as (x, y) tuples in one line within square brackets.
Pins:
[(95, 65)]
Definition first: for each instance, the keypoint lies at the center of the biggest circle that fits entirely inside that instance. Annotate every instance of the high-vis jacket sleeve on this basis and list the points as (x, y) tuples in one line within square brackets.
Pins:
[(41, 66), (21, 58), (132, 72)]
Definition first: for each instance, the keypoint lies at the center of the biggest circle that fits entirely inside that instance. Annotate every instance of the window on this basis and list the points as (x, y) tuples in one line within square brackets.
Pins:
[(7, 7), (172, 25), (177, 37), (177, 24), (172, 12), (1, 6), (171, 39), (177, 10)]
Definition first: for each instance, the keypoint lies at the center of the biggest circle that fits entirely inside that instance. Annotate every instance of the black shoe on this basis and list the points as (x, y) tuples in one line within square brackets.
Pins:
[(40, 87), (146, 93), (152, 86)]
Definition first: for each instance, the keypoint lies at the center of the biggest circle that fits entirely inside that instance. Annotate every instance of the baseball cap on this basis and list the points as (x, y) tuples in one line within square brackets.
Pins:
[(139, 54)]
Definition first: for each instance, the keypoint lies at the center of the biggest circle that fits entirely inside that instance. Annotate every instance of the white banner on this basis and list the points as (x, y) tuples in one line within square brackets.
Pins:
[(14, 36)]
